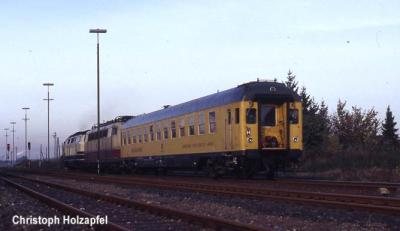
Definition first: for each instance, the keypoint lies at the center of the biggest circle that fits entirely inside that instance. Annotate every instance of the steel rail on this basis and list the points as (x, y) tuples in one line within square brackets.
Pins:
[(67, 209), (212, 222), (346, 201)]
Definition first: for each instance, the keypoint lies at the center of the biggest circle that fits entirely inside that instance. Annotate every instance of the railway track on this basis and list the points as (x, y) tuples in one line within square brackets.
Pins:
[(342, 184), (378, 204), (190, 218)]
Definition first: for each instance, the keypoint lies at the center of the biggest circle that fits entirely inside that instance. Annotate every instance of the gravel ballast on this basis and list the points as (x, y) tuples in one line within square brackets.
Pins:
[(266, 214)]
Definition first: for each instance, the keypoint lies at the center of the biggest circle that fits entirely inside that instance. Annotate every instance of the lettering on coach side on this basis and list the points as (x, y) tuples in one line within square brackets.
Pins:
[(197, 145)]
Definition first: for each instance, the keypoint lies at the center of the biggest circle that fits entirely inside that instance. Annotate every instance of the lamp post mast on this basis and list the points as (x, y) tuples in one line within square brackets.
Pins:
[(98, 31), (13, 155), (48, 85), (26, 131), (8, 152)]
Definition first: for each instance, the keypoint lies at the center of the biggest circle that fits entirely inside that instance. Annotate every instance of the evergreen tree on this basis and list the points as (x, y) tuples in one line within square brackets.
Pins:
[(389, 130), (305, 99), (291, 82)]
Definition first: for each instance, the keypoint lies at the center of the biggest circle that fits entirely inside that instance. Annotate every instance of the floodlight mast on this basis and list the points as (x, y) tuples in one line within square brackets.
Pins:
[(48, 85), (97, 32)]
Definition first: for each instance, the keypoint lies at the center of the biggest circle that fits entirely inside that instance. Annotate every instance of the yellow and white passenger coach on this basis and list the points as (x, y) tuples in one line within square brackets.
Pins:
[(254, 127)]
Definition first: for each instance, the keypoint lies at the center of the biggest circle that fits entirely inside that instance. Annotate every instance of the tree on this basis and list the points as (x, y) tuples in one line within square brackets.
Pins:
[(389, 130), (355, 128), (291, 82), (305, 100)]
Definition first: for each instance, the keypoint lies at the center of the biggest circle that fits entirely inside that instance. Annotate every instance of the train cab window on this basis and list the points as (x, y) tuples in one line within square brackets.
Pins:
[(202, 129), (268, 117), (151, 133), (158, 132), (212, 122), (173, 129), (237, 115), (293, 116), (191, 126), (251, 116), (114, 131), (182, 128)]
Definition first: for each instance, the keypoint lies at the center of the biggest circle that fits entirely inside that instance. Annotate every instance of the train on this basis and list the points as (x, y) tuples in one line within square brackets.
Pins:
[(255, 127)]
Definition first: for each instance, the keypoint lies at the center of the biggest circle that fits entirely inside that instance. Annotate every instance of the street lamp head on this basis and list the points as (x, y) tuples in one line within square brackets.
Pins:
[(97, 31), (25, 108), (13, 122), (48, 84), (6, 129)]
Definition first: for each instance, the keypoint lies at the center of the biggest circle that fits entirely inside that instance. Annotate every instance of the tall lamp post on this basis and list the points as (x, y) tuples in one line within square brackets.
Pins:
[(48, 85), (7, 149), (98, 31), (13, 155), (26, 130)]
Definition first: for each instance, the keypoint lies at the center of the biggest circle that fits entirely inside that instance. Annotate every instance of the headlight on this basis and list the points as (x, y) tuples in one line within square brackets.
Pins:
[(295, 139)]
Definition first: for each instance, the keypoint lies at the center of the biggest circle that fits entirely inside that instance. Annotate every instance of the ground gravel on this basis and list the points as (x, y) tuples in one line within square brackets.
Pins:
[(127, 217), (13, 202), (266, 214)]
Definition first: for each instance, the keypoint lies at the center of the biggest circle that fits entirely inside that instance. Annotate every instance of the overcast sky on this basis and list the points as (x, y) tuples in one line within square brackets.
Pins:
[(167, 52)]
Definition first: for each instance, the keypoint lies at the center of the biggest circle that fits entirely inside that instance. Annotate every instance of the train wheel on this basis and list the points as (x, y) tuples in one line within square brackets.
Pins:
[(247, 168), (211, 169), (270, 167)]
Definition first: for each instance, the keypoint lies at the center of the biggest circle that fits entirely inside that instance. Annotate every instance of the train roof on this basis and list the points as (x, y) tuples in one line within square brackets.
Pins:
[(248, 91), (117, 119), (78, 133)]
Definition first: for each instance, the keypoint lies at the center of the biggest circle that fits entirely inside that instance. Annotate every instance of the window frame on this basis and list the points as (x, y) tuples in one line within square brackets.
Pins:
[(212, 122), (237, 115), (202, 123), (191, 126)]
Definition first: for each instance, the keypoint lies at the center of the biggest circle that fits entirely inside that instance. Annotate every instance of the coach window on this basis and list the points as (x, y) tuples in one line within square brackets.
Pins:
[(151, 133), (191, 125), (140, 135), (212, 121), (173, 129), (229, 116), (134, 132), (145, 137), (202, 129), (268, 117), (158, 131), (237, 115), (129, 137), (166, 131), (251, 115), (182, 128)]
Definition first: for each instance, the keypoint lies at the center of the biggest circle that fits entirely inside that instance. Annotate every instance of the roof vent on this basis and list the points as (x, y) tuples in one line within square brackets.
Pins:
[(166, 106)]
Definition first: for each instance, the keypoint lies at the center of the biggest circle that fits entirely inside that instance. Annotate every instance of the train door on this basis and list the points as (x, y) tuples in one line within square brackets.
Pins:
[(272, 126), (228, 130)]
